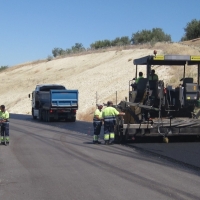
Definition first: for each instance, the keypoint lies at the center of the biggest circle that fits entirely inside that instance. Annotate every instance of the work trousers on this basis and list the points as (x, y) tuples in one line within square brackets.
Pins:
[(109, 130), (97, 130), (5, 127)]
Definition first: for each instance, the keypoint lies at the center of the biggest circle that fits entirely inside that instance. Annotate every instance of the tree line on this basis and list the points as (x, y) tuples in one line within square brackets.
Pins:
[(192, 31), (3, 68)]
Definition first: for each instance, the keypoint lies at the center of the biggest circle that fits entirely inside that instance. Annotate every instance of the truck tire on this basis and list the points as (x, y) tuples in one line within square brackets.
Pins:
[(48, 118), (40, 114), (73, 119), (43, 115), (34, 117)]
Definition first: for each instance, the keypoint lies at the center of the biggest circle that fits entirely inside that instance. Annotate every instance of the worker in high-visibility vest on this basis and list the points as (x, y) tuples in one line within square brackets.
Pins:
[(109, 117), (140, 77), (4, 115), (153, 76), (134, 85), (97, 123)]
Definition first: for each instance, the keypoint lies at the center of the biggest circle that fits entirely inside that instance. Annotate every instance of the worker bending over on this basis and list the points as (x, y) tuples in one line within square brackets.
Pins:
[(109, 117)]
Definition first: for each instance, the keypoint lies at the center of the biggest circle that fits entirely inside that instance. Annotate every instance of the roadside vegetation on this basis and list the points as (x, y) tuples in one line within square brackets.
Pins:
[(191, 31), (3, 68)]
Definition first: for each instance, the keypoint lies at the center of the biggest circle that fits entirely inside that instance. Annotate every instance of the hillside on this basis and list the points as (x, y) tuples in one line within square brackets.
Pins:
[(97, 76)]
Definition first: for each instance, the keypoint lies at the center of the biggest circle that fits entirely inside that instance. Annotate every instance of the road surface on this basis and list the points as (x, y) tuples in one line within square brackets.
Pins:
[(58, 161)]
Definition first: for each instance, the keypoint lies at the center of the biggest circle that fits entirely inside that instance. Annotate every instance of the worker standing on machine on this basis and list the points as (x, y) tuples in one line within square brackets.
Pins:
[(97, 123), (109, 117), (153, 76), (140, 77), (4, 115), (134, 85)]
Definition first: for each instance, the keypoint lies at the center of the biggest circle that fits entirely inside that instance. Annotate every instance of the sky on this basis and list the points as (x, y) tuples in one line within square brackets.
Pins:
[(31, 29)]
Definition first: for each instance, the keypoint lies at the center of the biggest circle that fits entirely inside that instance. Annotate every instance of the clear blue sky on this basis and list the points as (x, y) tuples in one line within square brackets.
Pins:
[(30, 29)]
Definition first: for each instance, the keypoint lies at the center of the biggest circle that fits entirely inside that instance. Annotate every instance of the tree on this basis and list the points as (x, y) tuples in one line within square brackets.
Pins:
[(77, 47), (192, 30), (55, 52), (125, 40), (68, 51), (158, 35), (154, 35), (3, 67), (107, 43), (58, 52), (100, 44)]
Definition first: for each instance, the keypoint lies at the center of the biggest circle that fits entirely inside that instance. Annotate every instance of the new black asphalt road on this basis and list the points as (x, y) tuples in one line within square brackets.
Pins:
[(50, 161)]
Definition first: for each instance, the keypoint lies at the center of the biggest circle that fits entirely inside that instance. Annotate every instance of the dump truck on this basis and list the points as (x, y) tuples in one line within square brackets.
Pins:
[(54, 102), (156, 108)]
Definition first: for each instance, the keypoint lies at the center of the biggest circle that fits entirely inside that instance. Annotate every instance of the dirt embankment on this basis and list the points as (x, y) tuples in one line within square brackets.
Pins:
[(99, 76)]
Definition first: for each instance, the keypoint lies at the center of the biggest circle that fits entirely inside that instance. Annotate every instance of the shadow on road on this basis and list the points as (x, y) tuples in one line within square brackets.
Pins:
[(87, 128), (78, 126)]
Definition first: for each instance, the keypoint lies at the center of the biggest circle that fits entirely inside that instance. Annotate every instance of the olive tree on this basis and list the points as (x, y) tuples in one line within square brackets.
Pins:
[(192, 30)]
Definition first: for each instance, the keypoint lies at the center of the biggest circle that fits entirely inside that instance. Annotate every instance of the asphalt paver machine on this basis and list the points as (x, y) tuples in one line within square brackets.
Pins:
[(155, 108)]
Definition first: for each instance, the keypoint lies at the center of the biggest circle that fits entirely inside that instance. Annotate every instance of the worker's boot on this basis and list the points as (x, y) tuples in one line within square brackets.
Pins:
[(7, 140), (106, 142), (95, 139), (2, 139), (112, 138), (98, 140)]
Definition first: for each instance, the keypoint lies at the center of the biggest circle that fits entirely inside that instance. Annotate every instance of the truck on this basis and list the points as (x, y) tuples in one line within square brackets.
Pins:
[(156, 108), (54, 102)]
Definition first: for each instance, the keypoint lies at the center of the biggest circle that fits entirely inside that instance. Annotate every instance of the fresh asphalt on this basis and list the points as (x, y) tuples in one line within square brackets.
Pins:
[(58, 161)]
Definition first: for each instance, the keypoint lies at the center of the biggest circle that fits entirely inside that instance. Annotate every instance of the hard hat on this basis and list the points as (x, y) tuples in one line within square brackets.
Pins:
[(99, 105)]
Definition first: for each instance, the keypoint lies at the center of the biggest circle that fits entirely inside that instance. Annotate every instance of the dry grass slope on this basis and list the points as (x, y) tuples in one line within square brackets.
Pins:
[(98, 75)]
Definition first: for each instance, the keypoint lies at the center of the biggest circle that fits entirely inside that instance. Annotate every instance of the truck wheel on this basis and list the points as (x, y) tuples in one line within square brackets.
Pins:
[(43, 115), (73, 119), (48, 118), (40, 115), (34, 117)]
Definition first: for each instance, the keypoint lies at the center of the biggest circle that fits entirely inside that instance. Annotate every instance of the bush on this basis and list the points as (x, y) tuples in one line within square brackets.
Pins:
[(3, 67), (107, 43), (153, 36), (192, 30), (49, 58)]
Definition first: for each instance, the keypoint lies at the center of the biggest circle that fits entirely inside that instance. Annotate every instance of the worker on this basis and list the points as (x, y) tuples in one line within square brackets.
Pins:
[(4, 115), (97, 123), (109, 117), (140, 77), (134, 85), (153, 76)]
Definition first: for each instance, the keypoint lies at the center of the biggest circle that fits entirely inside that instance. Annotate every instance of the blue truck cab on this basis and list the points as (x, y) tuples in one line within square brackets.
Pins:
[(54, 102)]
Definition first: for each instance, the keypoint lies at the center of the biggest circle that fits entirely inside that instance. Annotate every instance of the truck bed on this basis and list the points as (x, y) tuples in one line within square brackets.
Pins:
[(59, 98)]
